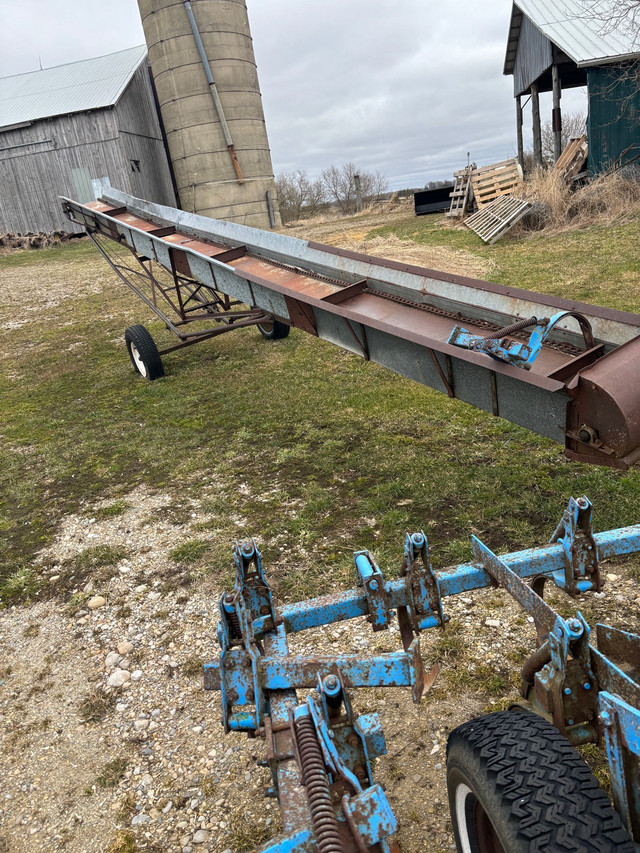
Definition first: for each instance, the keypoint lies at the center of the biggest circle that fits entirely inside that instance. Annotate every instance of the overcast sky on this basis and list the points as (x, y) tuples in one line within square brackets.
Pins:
[(405, 88)]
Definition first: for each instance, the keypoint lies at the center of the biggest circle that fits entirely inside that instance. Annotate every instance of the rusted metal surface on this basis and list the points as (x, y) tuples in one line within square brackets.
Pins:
[(621, 646), (604, 404), (399, 316)]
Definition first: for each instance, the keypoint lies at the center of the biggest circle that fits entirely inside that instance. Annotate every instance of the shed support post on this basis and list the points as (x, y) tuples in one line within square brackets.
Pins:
[(537, 132), (557, 113), (519, 131)]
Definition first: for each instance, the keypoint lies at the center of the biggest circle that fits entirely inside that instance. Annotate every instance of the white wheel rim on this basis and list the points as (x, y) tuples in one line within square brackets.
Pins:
[(142, 368), (462, 792)]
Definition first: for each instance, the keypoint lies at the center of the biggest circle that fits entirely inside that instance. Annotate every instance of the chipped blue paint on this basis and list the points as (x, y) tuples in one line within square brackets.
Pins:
[(258, 677), (507, 349)]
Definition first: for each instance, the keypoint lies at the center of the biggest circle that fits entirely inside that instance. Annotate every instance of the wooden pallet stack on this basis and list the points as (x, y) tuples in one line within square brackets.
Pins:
[(492, 189), (495, 180), (572, 159)]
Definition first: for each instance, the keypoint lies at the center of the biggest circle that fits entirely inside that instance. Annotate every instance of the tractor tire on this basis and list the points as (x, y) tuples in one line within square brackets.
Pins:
[(143, 352), (516, 785), (273, 331)]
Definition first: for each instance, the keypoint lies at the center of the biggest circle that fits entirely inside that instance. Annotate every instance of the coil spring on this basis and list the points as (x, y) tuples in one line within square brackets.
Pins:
[(323, 817), (512, 329), (234, 622)]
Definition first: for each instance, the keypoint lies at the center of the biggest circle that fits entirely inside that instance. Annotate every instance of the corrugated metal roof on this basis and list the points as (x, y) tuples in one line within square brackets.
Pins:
[(578, 28), (78, 86)]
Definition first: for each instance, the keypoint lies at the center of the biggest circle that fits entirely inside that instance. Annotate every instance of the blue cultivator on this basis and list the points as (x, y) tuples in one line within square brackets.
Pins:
[(320, 753)]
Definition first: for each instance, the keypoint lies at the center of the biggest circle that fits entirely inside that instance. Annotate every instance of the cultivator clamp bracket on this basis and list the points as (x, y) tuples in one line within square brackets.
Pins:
[(621, 723), (246, 675), (332, 748), (574, 533), (499, 346)]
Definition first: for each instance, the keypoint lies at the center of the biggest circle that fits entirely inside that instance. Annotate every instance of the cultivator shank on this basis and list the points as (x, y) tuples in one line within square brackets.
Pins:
[(320, 752)]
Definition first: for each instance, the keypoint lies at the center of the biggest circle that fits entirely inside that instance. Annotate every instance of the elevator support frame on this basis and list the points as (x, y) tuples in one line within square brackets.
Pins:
[(401, 317)]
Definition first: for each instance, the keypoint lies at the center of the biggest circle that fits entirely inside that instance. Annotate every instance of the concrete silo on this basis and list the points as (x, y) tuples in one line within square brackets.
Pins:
[(206, 80)]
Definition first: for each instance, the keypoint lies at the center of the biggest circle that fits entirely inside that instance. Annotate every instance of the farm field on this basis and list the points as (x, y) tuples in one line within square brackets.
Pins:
[(120, 500)]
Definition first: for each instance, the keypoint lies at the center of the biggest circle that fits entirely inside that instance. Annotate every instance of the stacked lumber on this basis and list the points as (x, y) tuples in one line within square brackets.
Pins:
[(495, 180), (572, 159)]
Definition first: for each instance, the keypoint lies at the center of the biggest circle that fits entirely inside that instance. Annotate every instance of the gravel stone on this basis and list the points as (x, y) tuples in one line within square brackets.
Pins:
[(118, 678), (112, 659), (200, 837), (96, 602)]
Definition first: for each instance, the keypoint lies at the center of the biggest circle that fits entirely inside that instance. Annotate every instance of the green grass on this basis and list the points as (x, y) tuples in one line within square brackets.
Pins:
[(599, 265), (190, 552), (304, 446)]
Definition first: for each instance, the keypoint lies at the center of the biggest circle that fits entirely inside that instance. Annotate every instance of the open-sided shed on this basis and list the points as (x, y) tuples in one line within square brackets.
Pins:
[(556, 45), (62, 127)]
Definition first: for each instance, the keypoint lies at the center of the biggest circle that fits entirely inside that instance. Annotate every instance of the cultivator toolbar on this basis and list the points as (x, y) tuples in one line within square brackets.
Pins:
[(320, 752), (573, 378)]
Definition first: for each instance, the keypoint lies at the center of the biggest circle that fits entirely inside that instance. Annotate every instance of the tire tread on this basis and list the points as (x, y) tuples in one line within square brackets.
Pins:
[(140, 336), (554, 801)]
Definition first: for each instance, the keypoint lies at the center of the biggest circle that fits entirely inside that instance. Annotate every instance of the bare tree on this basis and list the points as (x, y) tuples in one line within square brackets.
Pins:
[(340, 185), (573, 124), (621, 17), (298, 195)]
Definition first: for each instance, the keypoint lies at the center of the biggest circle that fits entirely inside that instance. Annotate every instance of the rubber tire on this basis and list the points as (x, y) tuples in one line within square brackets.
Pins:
[(533, 787), (140, 343), (274, 331)]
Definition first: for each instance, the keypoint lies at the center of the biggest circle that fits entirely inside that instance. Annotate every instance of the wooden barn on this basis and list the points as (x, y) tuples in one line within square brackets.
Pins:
[(62, 128), (554, 45)]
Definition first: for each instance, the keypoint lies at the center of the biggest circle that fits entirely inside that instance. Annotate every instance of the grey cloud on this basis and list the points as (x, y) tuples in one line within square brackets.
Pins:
[(403, 88)]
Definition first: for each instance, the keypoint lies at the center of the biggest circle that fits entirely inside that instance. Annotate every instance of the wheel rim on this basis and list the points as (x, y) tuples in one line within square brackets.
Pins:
[(266, 327), (477, 834), (137, 360)]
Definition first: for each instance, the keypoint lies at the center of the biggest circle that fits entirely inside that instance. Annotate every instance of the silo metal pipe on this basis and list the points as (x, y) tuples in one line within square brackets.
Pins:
[(214, 91)]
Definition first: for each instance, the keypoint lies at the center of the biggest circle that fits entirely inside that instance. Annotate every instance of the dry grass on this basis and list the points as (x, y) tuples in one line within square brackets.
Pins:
[(609, 199)]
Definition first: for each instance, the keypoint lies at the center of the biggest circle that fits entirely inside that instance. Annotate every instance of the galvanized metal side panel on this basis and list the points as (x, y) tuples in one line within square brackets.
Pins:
[(228, 282), (481, 298), (269, 300), (537, 409)]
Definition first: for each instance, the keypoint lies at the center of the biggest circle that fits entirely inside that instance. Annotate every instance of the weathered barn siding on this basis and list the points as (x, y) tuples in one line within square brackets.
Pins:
[(613, 124), (533, 57), (142, 147), (37, 165), (59, 156)]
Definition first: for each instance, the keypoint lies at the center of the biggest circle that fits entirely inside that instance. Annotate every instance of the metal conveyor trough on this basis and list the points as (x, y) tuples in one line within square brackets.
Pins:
[(581, 389)]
